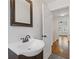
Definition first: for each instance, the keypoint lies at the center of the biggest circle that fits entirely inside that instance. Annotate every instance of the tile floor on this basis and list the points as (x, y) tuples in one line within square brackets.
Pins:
[(53, 56)]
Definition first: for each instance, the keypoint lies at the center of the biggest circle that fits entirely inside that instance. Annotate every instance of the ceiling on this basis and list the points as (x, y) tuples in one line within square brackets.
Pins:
[(48, 1), (61, 12)]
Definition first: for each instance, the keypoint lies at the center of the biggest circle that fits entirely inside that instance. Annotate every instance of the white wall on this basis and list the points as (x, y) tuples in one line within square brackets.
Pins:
[(57, 4), (16, 32)]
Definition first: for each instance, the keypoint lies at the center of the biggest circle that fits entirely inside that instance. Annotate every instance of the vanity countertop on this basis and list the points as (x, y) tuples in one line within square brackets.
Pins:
[(30, 48)]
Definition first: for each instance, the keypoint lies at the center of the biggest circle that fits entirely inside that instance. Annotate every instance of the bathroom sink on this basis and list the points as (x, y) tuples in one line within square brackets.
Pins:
[(31, 48)]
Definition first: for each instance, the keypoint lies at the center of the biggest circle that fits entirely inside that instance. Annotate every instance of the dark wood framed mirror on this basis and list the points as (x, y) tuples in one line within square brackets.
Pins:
[(21, 13)]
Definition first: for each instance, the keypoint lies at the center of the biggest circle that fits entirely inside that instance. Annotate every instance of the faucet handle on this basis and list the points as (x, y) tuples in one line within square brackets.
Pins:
[(28, 36)]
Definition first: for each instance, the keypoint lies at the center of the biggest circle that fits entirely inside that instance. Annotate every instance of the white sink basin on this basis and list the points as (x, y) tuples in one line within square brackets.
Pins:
[(30, 48)]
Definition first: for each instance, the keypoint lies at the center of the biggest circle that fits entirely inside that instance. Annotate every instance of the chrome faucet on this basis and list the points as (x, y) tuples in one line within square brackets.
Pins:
[(26, 39)]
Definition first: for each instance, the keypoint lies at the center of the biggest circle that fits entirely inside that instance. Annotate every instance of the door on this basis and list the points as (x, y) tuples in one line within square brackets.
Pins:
[(47, 30)]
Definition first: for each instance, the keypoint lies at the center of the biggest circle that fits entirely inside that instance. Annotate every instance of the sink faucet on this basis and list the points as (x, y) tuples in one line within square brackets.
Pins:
[(26, 39)]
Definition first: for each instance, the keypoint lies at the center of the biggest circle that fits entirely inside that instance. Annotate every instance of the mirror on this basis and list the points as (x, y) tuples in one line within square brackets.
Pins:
[(21, 13)]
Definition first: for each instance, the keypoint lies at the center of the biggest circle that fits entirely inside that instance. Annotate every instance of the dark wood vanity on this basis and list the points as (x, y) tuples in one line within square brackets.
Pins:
[(12, 55)]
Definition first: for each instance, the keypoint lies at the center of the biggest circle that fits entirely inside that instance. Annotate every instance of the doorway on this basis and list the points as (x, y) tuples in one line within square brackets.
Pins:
[(61, 33)]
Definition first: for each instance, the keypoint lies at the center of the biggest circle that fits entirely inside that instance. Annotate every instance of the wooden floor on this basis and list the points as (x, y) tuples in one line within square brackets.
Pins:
[(57, 51), (54, 56)]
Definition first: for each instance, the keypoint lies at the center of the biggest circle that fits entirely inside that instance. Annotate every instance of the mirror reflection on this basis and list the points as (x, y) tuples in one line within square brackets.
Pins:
[(21, 13)]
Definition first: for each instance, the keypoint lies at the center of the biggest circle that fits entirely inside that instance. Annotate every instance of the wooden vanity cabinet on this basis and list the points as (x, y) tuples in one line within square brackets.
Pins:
[(12, 55), (24, 57), (39, 56)]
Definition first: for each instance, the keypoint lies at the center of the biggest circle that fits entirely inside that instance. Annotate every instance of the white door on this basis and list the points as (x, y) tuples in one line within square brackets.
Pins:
[(47, 30)]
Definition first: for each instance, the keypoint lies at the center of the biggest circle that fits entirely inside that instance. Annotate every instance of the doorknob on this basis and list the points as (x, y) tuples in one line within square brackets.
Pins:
[(44, 35)]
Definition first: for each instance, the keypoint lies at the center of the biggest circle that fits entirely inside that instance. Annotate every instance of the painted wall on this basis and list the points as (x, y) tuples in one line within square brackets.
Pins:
[(57, 4), (15, 32)]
